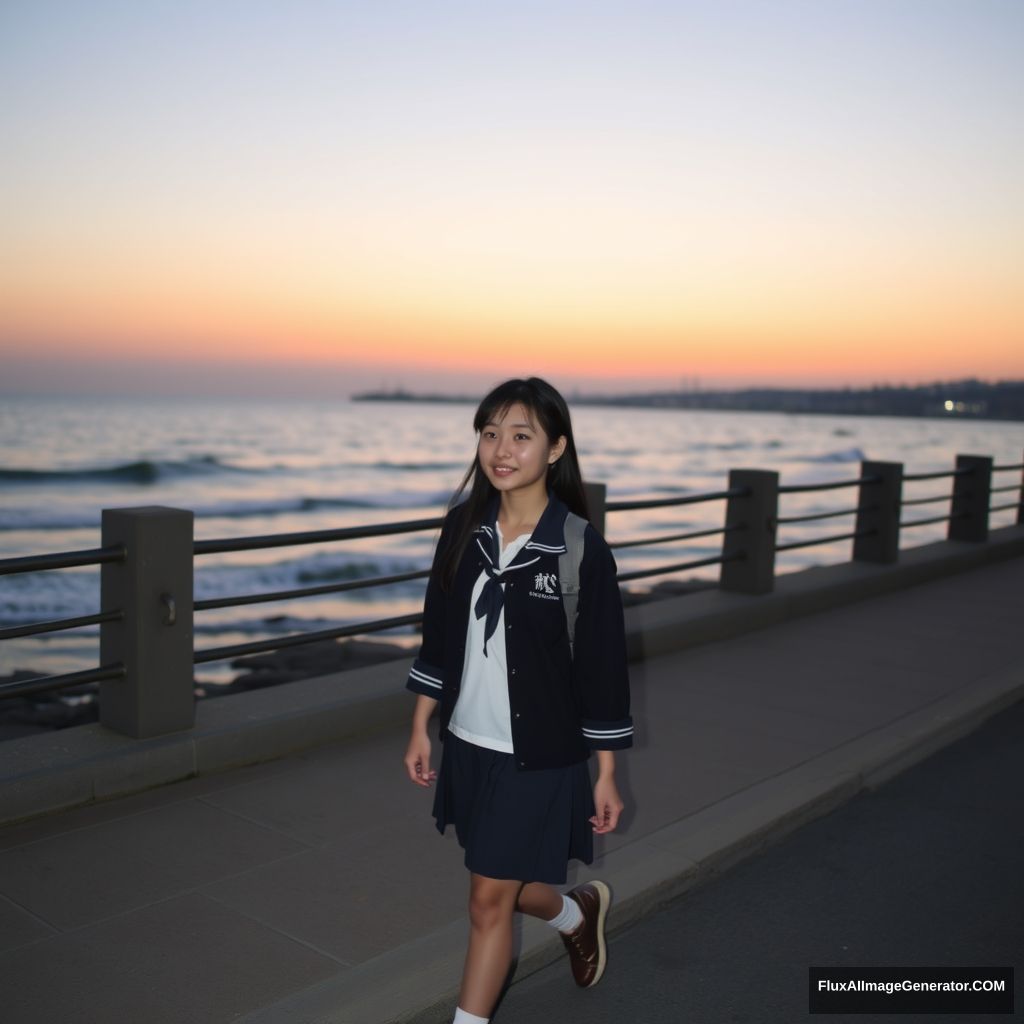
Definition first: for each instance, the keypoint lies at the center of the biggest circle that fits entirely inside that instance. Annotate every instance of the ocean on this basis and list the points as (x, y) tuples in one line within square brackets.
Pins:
[(258, 466)]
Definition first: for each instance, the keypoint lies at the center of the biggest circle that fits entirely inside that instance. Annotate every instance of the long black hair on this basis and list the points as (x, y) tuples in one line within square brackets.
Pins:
[(544, 404)]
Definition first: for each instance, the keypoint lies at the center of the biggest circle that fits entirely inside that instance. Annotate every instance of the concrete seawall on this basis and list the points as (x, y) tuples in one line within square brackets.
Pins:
[(45, 773)]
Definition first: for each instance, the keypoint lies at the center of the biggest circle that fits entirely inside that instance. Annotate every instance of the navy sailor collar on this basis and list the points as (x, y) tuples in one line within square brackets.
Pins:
[(548, 537)]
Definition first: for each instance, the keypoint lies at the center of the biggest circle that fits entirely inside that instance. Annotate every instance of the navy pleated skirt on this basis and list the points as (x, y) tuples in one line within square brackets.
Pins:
[(522, 825)]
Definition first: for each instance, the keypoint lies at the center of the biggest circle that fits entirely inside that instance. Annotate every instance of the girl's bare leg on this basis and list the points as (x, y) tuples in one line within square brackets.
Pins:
[(539, 899), (492, 902)]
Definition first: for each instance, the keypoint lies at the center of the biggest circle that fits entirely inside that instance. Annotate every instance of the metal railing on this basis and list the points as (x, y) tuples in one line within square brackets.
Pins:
[(670, 538), (310, 537), (834, 538), (108, 555), (146, 648)]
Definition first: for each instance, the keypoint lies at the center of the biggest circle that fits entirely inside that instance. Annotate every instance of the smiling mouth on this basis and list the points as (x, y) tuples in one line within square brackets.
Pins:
[(502, 470)]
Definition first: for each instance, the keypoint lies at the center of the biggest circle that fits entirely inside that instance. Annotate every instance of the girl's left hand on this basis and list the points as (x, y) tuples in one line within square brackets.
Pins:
[(609, 806)]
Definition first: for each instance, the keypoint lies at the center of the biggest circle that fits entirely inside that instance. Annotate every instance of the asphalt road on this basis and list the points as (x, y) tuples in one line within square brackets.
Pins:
[(928, 869)]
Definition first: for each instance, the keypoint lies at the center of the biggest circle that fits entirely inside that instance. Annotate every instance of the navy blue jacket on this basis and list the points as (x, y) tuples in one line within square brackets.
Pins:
[(562, 706)]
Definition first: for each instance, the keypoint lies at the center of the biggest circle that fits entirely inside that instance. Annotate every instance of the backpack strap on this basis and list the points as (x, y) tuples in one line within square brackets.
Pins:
[(569, 571)]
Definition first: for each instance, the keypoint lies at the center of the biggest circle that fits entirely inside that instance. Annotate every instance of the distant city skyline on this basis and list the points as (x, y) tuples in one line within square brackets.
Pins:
[(324, 197)]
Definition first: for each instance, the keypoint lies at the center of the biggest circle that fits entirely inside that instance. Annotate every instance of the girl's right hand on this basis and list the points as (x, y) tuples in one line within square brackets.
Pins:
[(417, 760)]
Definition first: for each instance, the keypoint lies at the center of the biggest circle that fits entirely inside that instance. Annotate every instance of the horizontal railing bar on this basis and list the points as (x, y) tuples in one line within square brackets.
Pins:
[(672, 537), (924, 522), (1003, 508), (625, 577), (47, 684), (297, 639), (1008, 487), (326, 588), (1015, 465), (926, 501), (963, 471), (824, 540), (281, 540), (799, 488), (35, 628), (63, 560), (824, 515), (691, 499)]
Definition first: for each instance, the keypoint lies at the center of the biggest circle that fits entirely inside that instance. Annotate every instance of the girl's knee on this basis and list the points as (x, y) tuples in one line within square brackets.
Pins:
[(492, 901)]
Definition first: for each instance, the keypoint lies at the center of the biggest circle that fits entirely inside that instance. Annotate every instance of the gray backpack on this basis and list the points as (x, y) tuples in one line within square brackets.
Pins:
[(569, 571)]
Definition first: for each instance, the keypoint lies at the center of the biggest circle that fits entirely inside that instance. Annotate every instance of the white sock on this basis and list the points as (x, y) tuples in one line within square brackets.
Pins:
[(461, 1017), (569, 919)]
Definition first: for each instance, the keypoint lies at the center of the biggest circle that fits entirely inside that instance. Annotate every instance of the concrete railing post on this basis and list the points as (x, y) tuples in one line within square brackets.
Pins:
[(756, 512), (153, 588), (597, 499), (1020, 500), (972, 493), (878, 513)]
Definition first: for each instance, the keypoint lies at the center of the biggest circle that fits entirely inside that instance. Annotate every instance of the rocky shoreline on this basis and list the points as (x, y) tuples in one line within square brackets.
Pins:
[(25, 716)]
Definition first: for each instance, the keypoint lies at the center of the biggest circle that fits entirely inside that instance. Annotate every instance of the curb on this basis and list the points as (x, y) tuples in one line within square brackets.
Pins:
[(418, 983)]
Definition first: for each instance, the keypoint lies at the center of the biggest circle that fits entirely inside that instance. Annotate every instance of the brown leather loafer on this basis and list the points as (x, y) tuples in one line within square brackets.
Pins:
[(586, 946)]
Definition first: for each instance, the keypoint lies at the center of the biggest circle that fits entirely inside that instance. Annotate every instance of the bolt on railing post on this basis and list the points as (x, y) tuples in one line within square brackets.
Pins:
[(153, 640), (756, 511), (972, 493), (878, 513), (597, 500)]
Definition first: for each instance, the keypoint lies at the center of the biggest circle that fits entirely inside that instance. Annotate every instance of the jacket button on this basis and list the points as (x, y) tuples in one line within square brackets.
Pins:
[(513, 671), (522, 764), (518, 715)]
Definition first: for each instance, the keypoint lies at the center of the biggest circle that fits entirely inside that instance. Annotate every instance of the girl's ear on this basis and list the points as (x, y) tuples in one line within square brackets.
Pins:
[(556, 450)]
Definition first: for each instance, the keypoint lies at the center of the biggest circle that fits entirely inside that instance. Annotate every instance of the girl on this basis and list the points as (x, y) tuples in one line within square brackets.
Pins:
[(520, 711)]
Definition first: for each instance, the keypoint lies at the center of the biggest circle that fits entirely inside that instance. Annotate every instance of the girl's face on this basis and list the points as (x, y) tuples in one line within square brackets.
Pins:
[(514, 452)]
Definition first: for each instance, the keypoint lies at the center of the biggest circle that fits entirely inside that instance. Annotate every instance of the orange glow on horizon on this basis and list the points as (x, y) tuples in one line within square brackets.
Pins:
[(854, 314)]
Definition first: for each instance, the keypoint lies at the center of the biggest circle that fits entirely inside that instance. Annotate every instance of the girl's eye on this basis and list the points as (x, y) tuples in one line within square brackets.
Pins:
[(522, 437)]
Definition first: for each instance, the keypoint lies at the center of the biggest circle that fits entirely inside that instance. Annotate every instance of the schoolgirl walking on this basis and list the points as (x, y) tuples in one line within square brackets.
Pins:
[(521, 710)]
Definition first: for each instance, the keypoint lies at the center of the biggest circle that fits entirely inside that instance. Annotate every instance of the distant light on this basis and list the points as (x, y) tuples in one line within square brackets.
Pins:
[(949, 405)]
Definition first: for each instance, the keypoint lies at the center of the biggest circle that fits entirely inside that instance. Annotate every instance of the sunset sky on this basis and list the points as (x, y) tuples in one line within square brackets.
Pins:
[(323, 196)]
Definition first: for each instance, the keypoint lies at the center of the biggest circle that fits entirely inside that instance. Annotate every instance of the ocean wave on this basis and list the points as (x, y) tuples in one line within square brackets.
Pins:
[(42, 597), (291, 506), (47, 519), (315, 574), (721, 446), (142, 471), (312, 569), (414, 467), (261, 507), (843, 455)]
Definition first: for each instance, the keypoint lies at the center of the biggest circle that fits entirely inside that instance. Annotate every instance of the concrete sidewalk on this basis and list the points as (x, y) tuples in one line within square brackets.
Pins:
[(315, 888)]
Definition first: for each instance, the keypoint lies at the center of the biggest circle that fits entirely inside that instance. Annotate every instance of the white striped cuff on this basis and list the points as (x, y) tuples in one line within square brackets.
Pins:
[(423, 682), (607, 734)]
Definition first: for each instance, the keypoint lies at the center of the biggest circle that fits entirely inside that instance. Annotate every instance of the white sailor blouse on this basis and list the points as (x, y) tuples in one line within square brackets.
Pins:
[(563, 705)]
